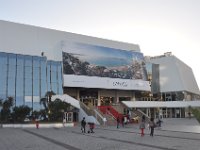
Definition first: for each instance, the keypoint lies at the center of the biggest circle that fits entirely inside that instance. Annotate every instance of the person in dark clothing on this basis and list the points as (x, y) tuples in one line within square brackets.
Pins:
[(91, 125), (159, 122), (118, 121), (143, 118), (83, 124), (122, 121), (152, 126)]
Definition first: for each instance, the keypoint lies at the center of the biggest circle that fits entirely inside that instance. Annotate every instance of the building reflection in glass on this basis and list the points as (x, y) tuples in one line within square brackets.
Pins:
[(28, 78)]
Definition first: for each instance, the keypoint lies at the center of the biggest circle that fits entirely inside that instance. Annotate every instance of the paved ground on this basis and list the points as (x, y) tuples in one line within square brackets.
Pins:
[(104, 138)]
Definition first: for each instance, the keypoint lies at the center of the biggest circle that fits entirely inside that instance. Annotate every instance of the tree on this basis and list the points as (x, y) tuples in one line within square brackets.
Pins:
[(6, 106), (57, 108), (46, 100), (20, 112)]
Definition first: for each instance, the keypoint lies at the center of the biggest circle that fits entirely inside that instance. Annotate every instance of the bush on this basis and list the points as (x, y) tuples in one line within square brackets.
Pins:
[(196, 113), (20, 113)]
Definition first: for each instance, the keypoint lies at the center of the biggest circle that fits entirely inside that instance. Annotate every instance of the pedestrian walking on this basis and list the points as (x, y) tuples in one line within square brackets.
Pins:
[(83, 124), (104, 121), (143, 118), (122, 121), (158, 123), (142, 127), (118, 121), (152, 125), (91, 127), (37, 124)]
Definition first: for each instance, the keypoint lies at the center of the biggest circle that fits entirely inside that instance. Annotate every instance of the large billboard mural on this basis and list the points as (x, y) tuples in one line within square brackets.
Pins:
[(92, 60)]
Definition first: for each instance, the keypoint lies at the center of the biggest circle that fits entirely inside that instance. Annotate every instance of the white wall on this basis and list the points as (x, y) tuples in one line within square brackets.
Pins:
[(31, 40), (175, 75), (105, 83)]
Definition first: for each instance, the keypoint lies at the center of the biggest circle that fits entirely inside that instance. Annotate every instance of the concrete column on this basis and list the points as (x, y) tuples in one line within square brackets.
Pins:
[(78, 94), (99, 98), (133, 96), (116, 97)]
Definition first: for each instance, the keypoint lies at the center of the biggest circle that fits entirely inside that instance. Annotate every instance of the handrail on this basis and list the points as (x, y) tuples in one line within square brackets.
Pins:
[(99, 117), (92, 112), (141, 113), (109, 109), (87, 110)]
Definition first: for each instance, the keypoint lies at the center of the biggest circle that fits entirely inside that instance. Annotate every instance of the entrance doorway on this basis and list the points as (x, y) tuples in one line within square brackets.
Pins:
[(68, 117), (106, 101), (89, 97)]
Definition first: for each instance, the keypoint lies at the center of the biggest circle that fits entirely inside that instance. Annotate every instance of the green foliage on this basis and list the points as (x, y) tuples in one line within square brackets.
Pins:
[(6, 109), (53, 109), (47, 99), (56, 109), (20, 113), (196, 113)]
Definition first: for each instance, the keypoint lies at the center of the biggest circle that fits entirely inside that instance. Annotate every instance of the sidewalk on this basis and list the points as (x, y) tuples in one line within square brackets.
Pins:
[(181, 124), (41, 125), (104, 138)]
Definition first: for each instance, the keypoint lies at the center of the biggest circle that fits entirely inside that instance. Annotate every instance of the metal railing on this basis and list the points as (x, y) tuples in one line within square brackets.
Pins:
[(92, 112)]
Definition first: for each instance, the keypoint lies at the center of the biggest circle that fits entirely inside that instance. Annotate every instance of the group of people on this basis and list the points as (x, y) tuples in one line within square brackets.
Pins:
[(83, 126), (151, 125)]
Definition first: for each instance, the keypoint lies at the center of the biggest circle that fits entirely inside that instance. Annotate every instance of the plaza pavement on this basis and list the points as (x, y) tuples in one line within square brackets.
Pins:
[(171, 136)]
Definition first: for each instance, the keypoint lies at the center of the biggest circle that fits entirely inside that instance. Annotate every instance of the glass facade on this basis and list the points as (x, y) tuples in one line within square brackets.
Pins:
[(28, 78)]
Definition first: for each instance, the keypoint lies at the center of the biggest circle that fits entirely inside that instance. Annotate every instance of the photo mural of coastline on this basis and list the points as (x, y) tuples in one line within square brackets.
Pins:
[(92, 60)]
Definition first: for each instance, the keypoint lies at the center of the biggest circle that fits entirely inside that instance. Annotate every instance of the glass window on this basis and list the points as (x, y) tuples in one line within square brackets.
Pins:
[(36, 73), (60, 89), (3, 87), (28, 61), (11, 70), (3, 59), (43, 88), (19, 100), (3, 73), (28, 87), (54, 87), (37, 106), (53, 67), (43, 70), (48, 73), (11, 87), (53, 76), (28, 72), (36, 87), (28, 102), (19, 91), (49, 86), (12, 59), (20, 72), (36, 61), (20, 60)]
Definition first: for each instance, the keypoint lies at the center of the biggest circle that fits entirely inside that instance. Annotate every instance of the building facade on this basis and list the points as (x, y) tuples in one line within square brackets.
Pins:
[(27, 78), (96, 72)]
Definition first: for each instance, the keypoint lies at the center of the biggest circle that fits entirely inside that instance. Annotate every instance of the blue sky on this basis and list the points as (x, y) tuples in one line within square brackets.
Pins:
[(158, 26)]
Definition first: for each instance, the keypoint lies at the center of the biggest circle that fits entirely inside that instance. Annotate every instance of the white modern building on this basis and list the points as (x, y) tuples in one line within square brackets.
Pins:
[(174, 88), (94, 71)]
